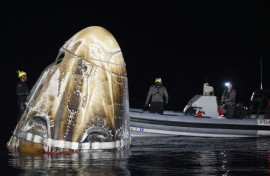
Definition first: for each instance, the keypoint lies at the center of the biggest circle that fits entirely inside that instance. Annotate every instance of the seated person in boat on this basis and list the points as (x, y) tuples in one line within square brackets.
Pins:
[(228, 100), (158, 95)]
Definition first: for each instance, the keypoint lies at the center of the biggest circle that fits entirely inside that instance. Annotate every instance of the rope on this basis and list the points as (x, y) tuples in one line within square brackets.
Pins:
[(89, 58), (76, 56)]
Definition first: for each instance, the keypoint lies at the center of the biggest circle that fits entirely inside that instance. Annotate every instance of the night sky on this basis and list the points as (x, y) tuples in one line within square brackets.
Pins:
[(183, 42)]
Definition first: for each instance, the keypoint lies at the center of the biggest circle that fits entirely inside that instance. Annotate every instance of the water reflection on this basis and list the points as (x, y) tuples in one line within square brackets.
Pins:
[(157, 156), (85, 163), (201, 156)]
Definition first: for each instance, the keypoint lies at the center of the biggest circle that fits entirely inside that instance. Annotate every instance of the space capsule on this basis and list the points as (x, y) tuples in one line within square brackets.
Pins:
[(80, 101)]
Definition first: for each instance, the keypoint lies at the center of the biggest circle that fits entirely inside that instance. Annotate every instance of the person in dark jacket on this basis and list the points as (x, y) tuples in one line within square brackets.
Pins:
[(158, 95), (22, 91), (228, 100)]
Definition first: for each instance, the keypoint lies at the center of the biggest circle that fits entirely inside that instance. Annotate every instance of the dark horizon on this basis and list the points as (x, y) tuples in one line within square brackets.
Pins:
[(181, 42)]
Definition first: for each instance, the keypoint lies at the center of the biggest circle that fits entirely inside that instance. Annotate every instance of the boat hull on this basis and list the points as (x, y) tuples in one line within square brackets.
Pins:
[(176, 123)]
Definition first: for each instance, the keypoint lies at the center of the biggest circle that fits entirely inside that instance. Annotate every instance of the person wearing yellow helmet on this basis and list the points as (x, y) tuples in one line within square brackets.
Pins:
[(22, 91), (158, 95)]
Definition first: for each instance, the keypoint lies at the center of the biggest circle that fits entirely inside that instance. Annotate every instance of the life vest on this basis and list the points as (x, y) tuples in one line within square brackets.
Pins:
[(157, 93)]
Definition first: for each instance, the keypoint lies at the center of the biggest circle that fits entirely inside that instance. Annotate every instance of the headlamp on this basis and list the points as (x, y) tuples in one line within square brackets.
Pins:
[(227, 84)]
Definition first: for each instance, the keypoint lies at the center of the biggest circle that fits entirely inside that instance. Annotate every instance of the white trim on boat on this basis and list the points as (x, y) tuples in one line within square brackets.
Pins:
[(200, 134)]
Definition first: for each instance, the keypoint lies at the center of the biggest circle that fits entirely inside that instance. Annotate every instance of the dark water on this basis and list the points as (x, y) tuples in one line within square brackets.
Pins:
[(153, 156)]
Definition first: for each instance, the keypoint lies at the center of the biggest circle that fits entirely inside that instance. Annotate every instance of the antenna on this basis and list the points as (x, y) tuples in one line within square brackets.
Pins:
[(261, 71)]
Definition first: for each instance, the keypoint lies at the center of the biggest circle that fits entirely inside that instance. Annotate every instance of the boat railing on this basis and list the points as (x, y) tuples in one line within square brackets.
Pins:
[(260, 103)]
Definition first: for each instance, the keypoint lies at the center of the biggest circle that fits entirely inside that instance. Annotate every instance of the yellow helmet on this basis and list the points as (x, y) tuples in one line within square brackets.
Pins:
[(158, 80), (21, 73)]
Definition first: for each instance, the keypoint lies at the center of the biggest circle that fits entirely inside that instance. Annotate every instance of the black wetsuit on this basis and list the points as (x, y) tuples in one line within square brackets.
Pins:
[(22, 92), (228, 100)]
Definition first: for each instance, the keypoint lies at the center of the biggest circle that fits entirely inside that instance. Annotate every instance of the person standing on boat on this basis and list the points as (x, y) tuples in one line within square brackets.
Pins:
[(158, 95), (228, 100), (22, 91)]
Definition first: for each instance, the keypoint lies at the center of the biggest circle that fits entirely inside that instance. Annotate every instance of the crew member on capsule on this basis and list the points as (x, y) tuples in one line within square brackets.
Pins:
[(158, 95), (22, 91), (228, 100)]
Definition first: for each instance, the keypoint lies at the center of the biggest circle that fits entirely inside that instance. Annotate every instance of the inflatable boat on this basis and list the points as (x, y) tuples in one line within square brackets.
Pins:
[(249, 121)]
